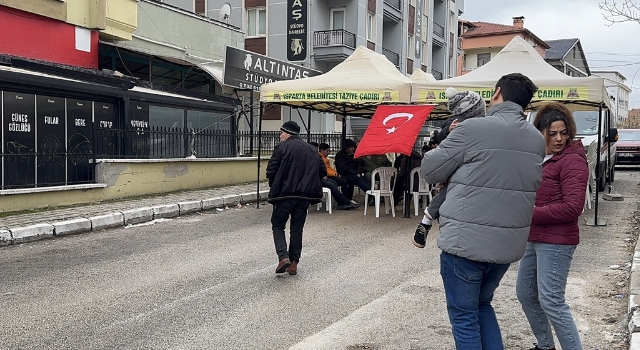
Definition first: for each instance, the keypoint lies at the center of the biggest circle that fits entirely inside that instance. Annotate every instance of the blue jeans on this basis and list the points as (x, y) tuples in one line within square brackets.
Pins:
[(540, 287), (469, 287)]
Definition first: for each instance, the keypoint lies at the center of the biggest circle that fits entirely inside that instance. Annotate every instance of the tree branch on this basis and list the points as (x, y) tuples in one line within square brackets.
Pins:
[(627, 11)]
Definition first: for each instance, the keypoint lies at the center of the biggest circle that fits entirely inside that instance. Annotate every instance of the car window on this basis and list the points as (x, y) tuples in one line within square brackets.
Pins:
[(629, 135)]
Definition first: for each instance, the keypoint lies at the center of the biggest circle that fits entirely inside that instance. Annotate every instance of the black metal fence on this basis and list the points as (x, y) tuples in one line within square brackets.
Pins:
[(29, 170), (334, 37)]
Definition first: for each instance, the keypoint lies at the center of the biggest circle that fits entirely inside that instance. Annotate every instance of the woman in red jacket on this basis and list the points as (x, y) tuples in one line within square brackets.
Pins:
[(554, 234)]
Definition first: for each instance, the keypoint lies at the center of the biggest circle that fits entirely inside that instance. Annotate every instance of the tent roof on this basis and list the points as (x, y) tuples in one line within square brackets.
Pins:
[(519, 57), (355, 87), (420, 75)]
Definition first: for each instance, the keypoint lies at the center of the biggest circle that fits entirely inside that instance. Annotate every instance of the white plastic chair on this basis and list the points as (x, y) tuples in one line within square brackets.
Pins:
[(326, 196), (387, 177), (592, 157), (424, 190)]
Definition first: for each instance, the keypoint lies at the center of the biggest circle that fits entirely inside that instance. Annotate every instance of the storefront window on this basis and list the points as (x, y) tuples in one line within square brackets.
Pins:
[(51, 126), (18, 139)]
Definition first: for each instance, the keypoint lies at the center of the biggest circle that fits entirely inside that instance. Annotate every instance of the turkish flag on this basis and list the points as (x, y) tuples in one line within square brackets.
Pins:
[(393, 129)]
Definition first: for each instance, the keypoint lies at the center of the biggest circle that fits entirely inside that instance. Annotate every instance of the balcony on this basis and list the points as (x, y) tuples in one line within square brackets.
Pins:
[(393, 3), (333, 45), (392, 56), (436, 74), (392, 11), (438, 30)]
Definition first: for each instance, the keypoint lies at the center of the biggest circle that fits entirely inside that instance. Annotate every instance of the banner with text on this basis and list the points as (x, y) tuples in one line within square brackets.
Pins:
[(333, 96), (543, 94)]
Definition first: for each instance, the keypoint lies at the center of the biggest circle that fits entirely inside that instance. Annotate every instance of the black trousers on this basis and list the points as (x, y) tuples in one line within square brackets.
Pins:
[(297, 209)]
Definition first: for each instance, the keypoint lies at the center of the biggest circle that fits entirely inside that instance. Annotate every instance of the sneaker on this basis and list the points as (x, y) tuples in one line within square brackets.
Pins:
[(354, 202), (345, 206), (293, 269), (283, 265), (420, 237), (537, 348)]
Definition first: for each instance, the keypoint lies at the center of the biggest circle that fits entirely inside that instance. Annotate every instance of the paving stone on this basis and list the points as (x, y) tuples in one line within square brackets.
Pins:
[(71, 226), (231, 200), (137, 216), (190, 207), (31, 233), (165, 211), (212, 203), (249, 197), (5, 237), (101, 222)]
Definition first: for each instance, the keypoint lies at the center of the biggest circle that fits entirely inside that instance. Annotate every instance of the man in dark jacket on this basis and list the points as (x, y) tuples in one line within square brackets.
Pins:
[(350, 168), (294, 172)]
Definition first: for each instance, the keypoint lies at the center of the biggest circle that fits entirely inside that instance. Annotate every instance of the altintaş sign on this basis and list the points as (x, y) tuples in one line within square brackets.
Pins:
[(248, 70)]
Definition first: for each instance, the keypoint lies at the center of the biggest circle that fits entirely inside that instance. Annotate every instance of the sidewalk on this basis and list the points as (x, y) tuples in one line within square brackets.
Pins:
[(43, 224)]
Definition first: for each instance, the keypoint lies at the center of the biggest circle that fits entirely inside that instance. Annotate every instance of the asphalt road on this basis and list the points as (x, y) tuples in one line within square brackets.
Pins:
[(207, 281)]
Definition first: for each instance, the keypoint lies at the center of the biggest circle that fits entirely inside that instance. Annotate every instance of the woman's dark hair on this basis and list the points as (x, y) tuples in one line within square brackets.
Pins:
[(553, 112)]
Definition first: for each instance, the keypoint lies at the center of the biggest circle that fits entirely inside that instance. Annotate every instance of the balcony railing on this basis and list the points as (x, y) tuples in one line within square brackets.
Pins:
[(392, 56), (334, 37), (438, 30), (436, 74), (393, 3)]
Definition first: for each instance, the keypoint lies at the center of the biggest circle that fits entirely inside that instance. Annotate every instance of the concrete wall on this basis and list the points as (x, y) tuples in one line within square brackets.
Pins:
[(88, 13), (47, 8), (131, 178), (181, 32), (121, 20)]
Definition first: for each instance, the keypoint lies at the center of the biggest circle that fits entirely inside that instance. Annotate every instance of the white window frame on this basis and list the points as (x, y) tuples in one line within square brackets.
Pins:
[(255, 11), (344, 16), (371, 27), (478, 65), (410, 47)]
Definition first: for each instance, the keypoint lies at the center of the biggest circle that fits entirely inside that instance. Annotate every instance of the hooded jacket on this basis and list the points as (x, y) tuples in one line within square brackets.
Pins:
[(560, 198), (494, 168), (294, 172)]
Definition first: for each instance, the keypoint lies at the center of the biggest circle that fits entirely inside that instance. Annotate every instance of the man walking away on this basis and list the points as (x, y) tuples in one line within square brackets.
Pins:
[(493, 168), (294, 172)]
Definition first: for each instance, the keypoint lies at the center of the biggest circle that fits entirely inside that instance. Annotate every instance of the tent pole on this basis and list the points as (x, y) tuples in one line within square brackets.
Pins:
[(344, 125), (407, 168), (608, 150), (259, 154), (595, 214), (308, 125)]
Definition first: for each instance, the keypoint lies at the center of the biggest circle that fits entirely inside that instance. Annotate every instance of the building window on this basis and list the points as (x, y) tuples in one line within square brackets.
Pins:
[(337, 18), (410, 47), (256, 22), (200, 7), (483, 58), (371, 27)]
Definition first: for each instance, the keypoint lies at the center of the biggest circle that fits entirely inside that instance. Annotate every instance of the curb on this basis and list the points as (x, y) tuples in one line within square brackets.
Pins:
[(122, 218), (633, 310)]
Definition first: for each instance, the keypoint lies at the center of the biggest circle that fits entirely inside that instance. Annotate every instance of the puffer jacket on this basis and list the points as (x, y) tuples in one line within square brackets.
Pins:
[(560, 198), (494, 167), (295, 171)]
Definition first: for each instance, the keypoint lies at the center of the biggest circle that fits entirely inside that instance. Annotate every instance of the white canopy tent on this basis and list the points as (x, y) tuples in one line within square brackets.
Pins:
[(420, 76), (586, 93), (354, 87)]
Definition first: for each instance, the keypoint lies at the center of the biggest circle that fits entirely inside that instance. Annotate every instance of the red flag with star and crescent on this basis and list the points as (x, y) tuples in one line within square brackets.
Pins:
[(393, 129)]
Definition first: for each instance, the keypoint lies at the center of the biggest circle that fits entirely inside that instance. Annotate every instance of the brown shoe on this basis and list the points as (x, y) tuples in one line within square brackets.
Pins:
[(283, 265), (293, 269)]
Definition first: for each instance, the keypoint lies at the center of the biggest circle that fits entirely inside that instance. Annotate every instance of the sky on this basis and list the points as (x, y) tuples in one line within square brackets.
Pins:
[(612, 48)]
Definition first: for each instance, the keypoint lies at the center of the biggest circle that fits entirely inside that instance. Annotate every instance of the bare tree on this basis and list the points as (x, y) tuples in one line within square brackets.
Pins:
[(621, 11)]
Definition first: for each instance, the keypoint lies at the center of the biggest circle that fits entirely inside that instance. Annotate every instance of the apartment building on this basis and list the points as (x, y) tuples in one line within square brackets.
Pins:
[(618, 91), (414, 34)]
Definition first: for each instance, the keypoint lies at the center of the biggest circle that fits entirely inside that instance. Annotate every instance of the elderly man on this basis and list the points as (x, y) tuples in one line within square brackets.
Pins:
[(294, 172), (493, 168)]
